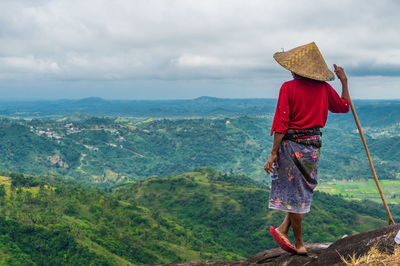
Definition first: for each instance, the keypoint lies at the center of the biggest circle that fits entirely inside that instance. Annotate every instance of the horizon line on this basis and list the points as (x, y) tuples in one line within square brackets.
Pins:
[(171, 99)]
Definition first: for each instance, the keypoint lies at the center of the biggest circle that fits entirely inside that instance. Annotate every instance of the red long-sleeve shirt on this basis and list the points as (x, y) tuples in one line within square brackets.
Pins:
[(304, 103)]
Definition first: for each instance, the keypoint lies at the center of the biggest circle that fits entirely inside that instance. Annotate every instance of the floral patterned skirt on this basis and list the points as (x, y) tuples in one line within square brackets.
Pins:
[(294, 181)]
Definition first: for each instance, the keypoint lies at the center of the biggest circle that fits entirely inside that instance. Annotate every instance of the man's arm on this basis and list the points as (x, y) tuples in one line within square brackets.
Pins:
[(343, 79)]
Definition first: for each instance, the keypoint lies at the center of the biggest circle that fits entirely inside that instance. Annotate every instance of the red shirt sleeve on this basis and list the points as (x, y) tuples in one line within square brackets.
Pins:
[(336, 104), (281, 118)]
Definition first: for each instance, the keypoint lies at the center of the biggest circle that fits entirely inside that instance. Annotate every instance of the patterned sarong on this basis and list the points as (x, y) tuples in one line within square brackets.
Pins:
[(294, 181)]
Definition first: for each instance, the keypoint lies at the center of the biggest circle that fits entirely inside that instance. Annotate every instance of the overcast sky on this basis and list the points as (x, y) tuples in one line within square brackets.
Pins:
[(127, 49)]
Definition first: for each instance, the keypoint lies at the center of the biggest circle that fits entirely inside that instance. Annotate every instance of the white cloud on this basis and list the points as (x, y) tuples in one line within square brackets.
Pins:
[(198, 61), (28, 64), (91, 40)]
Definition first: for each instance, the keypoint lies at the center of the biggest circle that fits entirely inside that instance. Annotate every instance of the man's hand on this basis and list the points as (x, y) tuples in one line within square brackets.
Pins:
[(269, 165), (342, 76), (340, 73)]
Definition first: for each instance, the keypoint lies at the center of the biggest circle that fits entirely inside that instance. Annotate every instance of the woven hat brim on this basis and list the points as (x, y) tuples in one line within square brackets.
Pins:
[(305, 61)]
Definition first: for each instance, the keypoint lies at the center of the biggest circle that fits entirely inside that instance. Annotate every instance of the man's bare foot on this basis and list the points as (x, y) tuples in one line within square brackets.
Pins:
[(301, 249), (284, 236)]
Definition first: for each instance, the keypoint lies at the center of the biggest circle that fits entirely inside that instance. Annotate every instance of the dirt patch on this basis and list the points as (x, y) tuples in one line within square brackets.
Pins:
[(56, 159)]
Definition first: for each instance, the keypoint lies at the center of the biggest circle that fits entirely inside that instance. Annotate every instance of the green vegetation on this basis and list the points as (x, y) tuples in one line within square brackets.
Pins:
[(110, 150), (115, 232), (127, 214), (22, 244), (229, 216), (361, 190), (199, 215)]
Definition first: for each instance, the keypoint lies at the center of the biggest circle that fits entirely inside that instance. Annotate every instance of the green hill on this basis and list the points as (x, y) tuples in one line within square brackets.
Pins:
[(108, 150), (199, 215), (235, 217)]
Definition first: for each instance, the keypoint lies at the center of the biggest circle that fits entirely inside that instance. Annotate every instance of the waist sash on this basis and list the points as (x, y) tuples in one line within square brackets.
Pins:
[(311, 136)]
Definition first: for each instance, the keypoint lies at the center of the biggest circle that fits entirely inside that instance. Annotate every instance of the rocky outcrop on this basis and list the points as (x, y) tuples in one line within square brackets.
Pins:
[(279, 257), (320, 253)]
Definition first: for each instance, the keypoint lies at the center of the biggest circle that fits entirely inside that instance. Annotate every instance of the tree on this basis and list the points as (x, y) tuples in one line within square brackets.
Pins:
[(2, 192), (17, 179)]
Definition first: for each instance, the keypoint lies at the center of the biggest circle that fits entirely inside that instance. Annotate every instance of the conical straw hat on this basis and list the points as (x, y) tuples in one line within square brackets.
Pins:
[(305, 61)]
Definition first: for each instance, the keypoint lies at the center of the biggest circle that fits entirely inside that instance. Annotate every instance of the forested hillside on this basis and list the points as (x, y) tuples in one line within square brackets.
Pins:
[(196, 215), (108, 150)]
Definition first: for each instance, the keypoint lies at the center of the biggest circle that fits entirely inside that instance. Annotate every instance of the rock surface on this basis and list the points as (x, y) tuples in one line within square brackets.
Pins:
[(319, 253), (279, 257)]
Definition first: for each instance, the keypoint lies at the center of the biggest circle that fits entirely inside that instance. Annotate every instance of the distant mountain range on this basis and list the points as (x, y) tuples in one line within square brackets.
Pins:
[(203, 106), (372, 112)]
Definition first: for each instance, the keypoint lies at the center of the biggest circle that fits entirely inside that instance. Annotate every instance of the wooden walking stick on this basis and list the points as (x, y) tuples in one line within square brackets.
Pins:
[(390, 218)]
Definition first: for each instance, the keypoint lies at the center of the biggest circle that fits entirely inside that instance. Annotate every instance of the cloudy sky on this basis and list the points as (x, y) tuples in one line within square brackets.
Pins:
[(180, 49)]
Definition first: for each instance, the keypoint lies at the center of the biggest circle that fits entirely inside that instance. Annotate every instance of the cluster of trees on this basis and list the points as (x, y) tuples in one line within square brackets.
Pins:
[(23, 244), (21, 180)]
